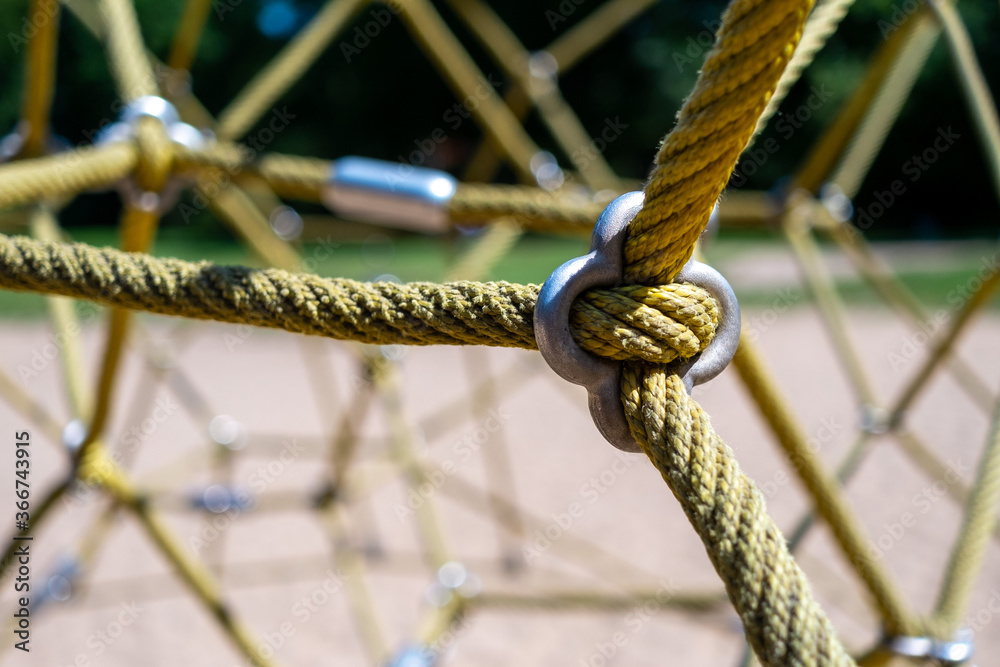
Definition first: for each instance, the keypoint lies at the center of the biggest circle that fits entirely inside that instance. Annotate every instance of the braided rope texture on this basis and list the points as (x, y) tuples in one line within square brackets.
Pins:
[(783, 622), (694, 162), (56, 176), (539, 210), (652, 324)]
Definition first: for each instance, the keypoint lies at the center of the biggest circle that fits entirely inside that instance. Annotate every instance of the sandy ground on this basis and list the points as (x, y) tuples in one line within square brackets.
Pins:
[(128, 608)]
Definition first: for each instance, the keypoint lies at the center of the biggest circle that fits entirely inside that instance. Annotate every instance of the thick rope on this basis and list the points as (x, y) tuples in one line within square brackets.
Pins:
[(825, 491), (288, 176), (822, 24), (188, 34), (653, 324), (694, 162), (123, 40), (65, 174), (156, 155), (782, 621), (474, 204), (541, 210), (40, 69)]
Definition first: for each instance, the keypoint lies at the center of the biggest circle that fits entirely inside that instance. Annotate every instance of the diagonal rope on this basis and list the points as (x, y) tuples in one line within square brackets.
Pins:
[(285, 69), (782, 621), (694, 161)]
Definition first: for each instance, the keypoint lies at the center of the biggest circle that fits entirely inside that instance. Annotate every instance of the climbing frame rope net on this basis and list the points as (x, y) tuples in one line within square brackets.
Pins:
[(649, 323)]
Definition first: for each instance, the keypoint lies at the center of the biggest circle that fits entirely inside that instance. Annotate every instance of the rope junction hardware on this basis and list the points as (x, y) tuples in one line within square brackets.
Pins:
[(603, 267), (126, 130), (410, 197), (647, 323), (946, 653)]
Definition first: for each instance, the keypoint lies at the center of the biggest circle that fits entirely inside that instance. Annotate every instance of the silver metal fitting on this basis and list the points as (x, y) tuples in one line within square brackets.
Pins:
[(453, 578), (219, 499), (838, 204), (12, 144), (178, 132), (58, 586), (604, 267), (543, 65), (227, 431), (390, 193), (953, 652), (545, 168), (163, 111), (413, 655), (874, 420), (73, 435)]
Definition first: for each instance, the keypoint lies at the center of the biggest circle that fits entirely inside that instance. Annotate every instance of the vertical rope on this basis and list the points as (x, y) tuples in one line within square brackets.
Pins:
[(695, 160), (40, 75), (783, 623)]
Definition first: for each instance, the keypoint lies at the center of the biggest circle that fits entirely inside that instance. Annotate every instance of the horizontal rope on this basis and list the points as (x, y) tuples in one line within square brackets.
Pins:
[(648, 323), (537, 209), (65, 174), (288, 176), (304, 178)]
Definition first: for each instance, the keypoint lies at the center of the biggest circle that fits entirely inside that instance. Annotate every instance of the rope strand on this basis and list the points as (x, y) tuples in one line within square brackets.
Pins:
[(652, 324)]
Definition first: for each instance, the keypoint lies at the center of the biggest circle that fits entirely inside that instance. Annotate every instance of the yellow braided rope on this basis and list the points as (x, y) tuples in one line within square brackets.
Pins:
[(694, 162), (653, 324), (126, 52), (782, 621), (40, 69), (68, 173)]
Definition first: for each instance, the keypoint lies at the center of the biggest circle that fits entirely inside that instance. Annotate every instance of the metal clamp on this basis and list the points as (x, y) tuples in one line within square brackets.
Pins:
[(163, 111), (947, 652), (220, 499), (390, 193), (604, 267), (178, 132), (453, 579), (12, 144)]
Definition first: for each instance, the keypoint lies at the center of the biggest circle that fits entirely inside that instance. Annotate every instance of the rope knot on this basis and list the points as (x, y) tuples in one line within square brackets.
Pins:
[(654, 324), (156, 154)]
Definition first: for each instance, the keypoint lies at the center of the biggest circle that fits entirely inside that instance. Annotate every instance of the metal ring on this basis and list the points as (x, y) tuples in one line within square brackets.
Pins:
[(603, 266), (155, 107), (713, 359), (150, 105), (178, 132), (948, 652)]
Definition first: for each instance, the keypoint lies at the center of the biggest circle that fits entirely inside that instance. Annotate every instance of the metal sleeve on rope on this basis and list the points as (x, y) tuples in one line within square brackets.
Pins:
[(390, 193)]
